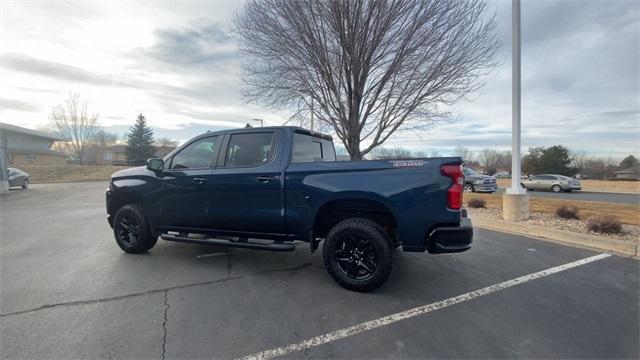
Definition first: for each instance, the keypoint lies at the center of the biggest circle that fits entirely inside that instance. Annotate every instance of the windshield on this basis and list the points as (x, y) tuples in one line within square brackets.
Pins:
[(469, 171)]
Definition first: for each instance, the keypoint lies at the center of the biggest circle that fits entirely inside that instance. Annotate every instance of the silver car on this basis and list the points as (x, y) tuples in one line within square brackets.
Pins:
[(555, 183), (18, 177)]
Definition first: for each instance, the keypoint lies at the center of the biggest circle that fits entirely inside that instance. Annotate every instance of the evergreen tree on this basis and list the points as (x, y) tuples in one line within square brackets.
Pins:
[(552, 160), (139, 142), (628, 162)]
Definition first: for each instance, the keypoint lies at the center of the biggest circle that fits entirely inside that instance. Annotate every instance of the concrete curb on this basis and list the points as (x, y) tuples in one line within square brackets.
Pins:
[(592, 242)]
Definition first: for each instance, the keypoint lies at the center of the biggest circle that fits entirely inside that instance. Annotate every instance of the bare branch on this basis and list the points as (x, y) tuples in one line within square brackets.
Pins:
[(371, 67), (72, 121)]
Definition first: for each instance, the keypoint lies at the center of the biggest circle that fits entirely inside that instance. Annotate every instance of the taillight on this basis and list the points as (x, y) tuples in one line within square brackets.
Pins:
[(454, 193)]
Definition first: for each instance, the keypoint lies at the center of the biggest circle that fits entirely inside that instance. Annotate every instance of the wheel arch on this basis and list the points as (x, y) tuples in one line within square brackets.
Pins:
[(120, 199), (354, 204)]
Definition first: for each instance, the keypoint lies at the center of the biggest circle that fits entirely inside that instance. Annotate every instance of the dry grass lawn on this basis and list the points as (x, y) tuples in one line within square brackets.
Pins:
[(626, 213), (69, 173), (597, 186)]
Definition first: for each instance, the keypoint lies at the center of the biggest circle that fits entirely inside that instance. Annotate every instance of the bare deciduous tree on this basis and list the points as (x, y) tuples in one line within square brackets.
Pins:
[(488, 159), (504, 161), (396, 152), (104, 139), (464, 153), (72, 121), (370, 68), (164, 146)]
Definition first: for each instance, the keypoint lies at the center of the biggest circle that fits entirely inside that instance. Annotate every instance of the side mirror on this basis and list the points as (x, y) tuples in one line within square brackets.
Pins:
[(155, 164)]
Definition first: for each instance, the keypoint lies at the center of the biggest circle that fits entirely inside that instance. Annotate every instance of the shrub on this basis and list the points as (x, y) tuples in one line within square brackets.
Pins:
[(605, 224), (476, 203), (568, 212)]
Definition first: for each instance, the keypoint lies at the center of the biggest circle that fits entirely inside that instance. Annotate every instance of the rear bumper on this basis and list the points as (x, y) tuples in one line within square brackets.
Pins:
[(451, 239)]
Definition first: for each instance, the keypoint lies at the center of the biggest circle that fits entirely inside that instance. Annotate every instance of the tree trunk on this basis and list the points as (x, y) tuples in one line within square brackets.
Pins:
[(354, 150)]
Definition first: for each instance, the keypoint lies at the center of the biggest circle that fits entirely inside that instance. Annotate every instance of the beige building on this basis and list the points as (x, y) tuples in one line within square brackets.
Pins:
[(22, 146), (115, 155), (42, 157), (632, 173)]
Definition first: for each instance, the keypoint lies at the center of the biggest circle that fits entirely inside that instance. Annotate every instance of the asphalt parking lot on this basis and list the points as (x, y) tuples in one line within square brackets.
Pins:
[(67, 291)]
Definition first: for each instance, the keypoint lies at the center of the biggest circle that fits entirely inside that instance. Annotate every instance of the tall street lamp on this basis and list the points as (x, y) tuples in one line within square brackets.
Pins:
[(515, 203)]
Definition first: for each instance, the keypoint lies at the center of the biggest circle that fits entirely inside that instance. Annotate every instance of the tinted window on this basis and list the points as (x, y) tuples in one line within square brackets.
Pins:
[(199, 154), (311, 149), (468, 171), (249, 149)]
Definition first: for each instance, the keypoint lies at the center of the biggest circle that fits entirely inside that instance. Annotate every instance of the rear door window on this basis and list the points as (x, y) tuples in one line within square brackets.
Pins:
[(249, 149), (308, 148)]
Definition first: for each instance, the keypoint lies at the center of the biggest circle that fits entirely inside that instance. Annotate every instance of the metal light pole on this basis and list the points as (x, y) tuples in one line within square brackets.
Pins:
[(515, 203), (516, 168)]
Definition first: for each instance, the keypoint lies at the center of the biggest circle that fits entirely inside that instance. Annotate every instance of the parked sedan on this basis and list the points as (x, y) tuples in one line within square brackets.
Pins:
[(555, 183), (18, 177)]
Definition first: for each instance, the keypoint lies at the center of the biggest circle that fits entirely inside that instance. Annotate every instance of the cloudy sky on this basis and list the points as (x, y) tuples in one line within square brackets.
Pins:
[(175, 62)]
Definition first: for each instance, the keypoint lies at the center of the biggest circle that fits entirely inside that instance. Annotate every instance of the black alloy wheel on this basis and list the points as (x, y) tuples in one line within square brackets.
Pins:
[(355, 257), (128, 230), (358, 254), (131, 230)]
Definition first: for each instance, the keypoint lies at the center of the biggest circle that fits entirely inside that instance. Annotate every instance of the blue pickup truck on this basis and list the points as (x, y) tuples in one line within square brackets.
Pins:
[(270, 187)]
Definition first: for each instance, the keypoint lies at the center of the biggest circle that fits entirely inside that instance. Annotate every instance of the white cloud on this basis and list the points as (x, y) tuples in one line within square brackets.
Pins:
[(174, 62)]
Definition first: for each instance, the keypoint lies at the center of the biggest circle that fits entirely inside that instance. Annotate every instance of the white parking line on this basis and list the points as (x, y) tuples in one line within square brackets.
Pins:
[(421, 310)]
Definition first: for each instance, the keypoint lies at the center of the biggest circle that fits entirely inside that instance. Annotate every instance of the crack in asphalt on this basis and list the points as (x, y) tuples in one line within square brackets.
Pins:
[(155, 291), (164, 323)]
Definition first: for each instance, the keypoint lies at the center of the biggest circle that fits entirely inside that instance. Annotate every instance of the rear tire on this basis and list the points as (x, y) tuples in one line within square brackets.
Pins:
[(556, 188), (131, 230), (152, 241), (468, 188), (358, 255), (25, 184)]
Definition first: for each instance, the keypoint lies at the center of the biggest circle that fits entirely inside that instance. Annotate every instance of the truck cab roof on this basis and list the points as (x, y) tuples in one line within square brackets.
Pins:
[(296, 129)]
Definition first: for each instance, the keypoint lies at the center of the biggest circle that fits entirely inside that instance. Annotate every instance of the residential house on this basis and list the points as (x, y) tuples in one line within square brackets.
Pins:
[(632, 173)]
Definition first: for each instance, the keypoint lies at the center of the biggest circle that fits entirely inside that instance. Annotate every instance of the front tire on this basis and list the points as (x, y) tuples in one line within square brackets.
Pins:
[(131, 230), (25, 184), (358, 254)]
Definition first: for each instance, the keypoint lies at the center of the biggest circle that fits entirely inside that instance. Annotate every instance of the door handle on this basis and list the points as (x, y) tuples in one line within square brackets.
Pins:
[(265, 179), (199, 180)]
